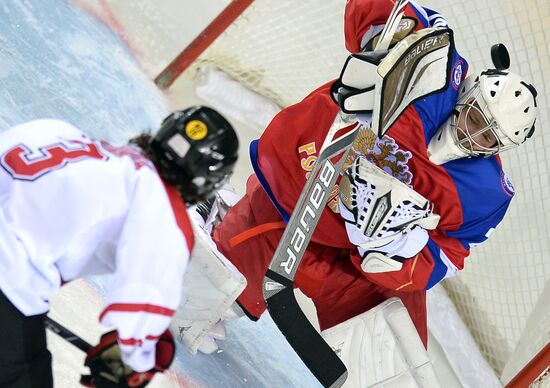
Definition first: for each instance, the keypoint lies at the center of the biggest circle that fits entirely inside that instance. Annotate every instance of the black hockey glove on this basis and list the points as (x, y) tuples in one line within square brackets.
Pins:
[(108, 371)]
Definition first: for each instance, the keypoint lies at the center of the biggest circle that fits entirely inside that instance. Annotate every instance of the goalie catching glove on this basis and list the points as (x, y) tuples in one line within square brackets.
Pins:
[(107, 370), (385, 219)]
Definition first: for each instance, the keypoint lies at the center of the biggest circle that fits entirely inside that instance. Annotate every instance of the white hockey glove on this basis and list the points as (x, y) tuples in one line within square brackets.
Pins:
[(385, 219), (355, 89)]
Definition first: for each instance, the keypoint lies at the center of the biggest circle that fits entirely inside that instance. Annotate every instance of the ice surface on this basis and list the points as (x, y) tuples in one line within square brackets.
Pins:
[(58, 62)]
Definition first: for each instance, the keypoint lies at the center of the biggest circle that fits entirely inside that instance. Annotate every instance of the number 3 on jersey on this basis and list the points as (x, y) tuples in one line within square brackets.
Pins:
[(21, 162)]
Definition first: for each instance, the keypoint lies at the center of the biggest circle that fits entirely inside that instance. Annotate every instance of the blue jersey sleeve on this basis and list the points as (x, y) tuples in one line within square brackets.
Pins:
[(435, 109), (469, 236), (480, 213), (485, 194)]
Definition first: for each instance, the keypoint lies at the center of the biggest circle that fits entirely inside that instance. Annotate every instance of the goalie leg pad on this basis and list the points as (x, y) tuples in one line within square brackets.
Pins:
[(211, 285), (381, 348)]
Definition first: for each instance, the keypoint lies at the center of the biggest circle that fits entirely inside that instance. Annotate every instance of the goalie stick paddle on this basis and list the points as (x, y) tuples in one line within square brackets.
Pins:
[(66, 334), (278, 284), (278, 288)]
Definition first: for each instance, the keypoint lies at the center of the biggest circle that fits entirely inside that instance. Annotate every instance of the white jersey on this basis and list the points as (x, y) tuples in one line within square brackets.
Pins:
[(71, 207)]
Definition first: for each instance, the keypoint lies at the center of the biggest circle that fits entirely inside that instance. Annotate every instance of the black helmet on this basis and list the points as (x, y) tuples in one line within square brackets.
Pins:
[(199, 148)]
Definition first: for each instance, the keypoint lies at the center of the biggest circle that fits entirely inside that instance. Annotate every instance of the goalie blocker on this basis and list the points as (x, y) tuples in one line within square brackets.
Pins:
[(385, 84)]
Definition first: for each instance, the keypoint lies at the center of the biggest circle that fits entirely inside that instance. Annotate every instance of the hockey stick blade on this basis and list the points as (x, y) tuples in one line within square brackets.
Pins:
[(316, 354), (66, 334)]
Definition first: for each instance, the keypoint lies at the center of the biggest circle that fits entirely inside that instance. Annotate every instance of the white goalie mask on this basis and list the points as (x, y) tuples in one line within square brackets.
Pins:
[(495, 111)]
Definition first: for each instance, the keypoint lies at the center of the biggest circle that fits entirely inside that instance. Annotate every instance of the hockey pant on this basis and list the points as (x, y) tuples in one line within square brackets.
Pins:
[(25, 361), (326, 274)]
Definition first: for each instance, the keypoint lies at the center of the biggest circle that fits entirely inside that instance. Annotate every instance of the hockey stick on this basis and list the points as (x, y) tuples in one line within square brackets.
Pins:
[(278, 284), (278, 288), (67, 335), (391, 25)]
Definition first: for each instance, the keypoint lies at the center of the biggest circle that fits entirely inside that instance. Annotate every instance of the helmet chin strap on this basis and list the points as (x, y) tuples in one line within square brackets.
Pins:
[(442, 147)]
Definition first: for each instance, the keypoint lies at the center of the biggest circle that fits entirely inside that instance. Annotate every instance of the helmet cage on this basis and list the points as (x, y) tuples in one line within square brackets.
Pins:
[(470, 102)]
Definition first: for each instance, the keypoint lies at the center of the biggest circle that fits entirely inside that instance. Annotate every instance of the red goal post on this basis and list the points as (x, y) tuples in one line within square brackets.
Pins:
[(536, 372), (201, 43)]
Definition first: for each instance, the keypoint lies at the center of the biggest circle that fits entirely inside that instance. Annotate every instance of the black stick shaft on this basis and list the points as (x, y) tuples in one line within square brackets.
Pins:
[(67, 335)]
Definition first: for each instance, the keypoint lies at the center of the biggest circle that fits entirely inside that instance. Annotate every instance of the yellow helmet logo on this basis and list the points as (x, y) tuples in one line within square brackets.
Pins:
[(196, 130)]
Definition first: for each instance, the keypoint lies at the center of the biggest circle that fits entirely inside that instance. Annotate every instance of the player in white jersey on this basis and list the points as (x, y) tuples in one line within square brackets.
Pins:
[(72, 206)]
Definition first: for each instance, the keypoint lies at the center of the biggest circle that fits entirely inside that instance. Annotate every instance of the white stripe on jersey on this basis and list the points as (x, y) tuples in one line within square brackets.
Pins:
[(451, 268), (419, 9)]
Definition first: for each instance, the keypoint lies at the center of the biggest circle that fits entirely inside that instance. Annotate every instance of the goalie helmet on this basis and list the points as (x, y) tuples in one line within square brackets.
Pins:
[(198, 149), (495, 111)]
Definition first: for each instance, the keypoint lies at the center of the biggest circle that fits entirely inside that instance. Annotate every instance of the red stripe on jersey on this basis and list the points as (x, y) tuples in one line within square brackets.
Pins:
[(180, 212), (136, 341), (130, 341), (137, 307)]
